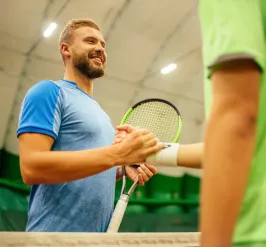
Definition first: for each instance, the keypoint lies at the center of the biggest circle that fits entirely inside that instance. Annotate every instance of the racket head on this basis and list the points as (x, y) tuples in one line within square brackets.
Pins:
[(159, 116)]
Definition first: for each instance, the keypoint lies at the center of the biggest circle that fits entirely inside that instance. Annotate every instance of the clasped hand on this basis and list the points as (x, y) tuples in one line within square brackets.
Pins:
[(149, 145)]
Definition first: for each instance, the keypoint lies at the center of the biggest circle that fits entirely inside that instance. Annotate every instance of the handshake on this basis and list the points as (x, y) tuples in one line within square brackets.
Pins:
[(136, 145)]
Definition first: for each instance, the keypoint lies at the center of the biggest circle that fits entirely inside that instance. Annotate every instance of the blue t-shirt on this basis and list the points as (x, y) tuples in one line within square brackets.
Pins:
[(76, 122)]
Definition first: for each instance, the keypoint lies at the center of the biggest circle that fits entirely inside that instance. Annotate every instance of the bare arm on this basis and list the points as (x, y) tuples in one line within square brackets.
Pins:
[(190, 155), (40, 165), (229, 146), (186, 155)]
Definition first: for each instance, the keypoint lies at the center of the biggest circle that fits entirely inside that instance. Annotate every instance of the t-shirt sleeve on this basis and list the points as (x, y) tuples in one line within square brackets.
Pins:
[(41, 110), (231, 30)]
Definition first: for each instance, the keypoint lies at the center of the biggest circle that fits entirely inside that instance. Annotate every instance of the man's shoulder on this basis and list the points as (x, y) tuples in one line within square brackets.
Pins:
[(44, 86), (44, 92)]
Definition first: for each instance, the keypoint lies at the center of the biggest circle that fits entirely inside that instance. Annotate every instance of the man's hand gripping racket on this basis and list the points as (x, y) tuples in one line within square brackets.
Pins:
[(163, 119)]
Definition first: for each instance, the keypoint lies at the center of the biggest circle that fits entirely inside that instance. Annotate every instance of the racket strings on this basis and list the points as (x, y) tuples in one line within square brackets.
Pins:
[(160, 118)]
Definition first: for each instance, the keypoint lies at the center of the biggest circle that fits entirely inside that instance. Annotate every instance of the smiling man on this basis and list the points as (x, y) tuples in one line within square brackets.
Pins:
[(66, 143)]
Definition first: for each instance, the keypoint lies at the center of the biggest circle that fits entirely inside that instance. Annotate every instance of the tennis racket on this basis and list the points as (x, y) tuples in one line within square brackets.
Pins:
[(164, 120)]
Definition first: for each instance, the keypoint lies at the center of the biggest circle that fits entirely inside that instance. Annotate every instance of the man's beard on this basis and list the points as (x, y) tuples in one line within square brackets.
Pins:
[(85, 66)]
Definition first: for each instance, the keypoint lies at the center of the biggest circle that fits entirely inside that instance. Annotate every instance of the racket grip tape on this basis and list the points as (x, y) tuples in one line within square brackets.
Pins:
[(118, 214), (165, 157)]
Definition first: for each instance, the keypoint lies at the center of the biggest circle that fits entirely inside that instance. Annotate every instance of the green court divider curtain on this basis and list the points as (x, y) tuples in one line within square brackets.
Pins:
[(13, 209), (159, 205), (151, 222), (14, 205)]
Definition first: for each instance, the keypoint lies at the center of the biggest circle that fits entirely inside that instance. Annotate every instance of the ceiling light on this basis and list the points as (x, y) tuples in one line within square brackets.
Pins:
[(49, 30), (168, 68)]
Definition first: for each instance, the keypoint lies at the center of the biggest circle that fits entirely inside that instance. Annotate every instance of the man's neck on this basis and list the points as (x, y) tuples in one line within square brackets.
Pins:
[(82, 81)]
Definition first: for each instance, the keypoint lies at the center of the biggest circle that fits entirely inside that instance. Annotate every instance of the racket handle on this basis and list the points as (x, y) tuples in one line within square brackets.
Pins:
[(165, 157), (118, 214)]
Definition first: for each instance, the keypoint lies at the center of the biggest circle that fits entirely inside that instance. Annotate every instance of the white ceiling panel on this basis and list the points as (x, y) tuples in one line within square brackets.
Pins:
[(11, 62), (22, 18)]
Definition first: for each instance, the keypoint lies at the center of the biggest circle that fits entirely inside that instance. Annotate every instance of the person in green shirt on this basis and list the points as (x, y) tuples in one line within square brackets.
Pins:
[(233, 204)]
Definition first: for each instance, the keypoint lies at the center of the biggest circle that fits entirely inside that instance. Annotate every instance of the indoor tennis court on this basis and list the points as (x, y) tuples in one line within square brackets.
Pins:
[(154, 50)]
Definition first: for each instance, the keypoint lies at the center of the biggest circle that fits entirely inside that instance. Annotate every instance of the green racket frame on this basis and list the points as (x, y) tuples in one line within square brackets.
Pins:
[(130, 110)]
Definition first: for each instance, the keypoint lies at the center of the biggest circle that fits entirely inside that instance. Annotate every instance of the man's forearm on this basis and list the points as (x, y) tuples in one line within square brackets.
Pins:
[(185, 155), (53, 167), (190, 155)]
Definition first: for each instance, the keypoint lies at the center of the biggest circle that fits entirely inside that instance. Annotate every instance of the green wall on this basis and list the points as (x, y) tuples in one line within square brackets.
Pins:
[(9, 171), (162, 200)]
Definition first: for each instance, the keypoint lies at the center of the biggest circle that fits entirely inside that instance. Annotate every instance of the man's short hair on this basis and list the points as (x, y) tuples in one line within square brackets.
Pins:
[(67, 33)]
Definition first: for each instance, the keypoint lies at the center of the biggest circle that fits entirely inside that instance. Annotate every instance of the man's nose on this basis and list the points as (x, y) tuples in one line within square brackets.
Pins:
[(99, 47)]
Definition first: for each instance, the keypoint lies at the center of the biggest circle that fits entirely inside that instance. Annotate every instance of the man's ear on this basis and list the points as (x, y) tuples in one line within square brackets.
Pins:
[(65, 50)]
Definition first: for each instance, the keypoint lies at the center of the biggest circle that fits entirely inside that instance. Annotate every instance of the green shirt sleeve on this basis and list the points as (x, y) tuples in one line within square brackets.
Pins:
[(232, 30)]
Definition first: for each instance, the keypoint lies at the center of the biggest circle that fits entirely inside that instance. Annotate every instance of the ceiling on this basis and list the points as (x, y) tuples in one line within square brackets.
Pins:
[(142, 37)]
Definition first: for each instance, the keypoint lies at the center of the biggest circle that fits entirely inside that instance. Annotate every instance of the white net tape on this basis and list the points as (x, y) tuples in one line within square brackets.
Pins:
[(21, 239)]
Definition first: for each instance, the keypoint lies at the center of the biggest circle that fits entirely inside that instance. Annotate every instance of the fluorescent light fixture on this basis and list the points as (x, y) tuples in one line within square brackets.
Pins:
[(49, 30), (169, 68)]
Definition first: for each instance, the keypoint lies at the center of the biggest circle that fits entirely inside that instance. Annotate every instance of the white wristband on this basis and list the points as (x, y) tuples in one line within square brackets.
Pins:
[(165, 157)]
